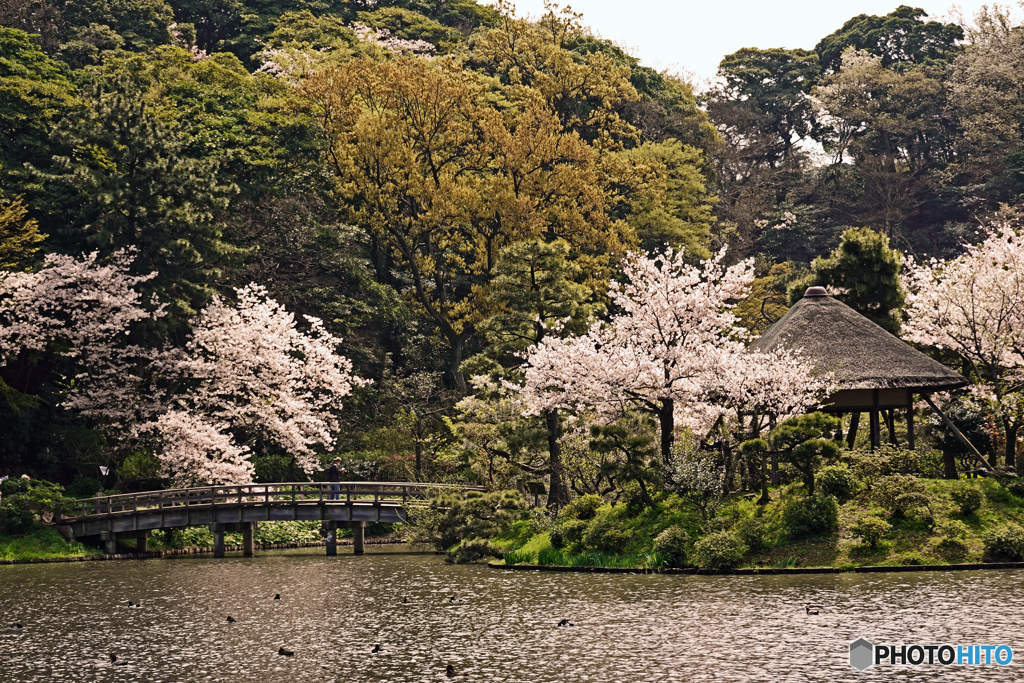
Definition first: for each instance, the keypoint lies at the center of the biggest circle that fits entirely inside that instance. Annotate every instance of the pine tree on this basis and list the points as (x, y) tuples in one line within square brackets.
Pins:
[(132, 186)]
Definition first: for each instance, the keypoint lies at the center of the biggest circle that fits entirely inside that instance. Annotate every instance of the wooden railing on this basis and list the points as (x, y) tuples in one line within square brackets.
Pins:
[(290, 493)]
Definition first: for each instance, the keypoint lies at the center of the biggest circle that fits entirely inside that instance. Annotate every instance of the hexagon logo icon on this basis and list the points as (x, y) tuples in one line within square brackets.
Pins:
[(861, 654)]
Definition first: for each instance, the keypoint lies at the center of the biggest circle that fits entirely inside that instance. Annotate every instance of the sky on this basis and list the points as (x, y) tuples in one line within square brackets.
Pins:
[(690, 38)]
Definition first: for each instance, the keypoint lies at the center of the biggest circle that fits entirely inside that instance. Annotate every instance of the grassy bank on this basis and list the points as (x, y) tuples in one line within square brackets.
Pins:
[(933, 530), (41, 544)]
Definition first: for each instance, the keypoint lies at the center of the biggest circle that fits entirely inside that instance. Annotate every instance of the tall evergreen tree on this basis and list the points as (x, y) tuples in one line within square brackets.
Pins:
[(131, 186)]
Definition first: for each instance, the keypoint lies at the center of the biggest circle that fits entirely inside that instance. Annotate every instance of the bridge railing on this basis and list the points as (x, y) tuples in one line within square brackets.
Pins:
[(287, 493)]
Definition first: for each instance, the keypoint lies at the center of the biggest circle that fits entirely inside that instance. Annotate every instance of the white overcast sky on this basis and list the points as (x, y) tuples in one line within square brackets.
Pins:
[(692, 37)]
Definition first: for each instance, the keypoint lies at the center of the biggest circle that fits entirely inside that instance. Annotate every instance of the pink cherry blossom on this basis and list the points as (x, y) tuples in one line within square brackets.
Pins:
[(674, 348)]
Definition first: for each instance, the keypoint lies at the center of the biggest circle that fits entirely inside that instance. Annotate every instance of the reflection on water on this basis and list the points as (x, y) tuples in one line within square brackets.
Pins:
[(334, 610)]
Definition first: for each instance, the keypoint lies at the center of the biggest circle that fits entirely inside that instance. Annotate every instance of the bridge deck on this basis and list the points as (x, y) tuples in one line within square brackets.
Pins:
[(345, 502)]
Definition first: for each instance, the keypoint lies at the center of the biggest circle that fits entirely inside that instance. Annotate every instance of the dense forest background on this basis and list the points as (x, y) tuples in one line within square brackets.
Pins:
[(440, 182)]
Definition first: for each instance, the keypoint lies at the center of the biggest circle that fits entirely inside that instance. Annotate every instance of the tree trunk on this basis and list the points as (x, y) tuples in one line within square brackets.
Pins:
[(458, 379), (949, 465), (666, 422), (1011, 445), (557, 493), (765, 498)]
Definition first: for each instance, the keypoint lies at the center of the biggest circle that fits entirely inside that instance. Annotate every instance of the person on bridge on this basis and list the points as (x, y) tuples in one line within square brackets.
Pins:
[(334, 476)]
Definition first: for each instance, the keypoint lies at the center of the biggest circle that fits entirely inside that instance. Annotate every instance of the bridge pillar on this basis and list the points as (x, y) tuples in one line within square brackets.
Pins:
[(248, 540), (218, 538), (358, 529), (109, 542), (331, 534), (141, 542)]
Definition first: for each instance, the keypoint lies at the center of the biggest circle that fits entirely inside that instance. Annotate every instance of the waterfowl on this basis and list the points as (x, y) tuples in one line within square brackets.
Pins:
[(113, 660), (231, 620), (450, 672), (405, 599), (453, 599), (376, 648), (134, 604), (277, 596), (16, 625), (284, 653), (812, 609), (564, 622)]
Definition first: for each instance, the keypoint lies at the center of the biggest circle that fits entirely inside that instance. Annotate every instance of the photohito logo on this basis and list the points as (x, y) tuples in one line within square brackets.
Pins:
[(864, 653)]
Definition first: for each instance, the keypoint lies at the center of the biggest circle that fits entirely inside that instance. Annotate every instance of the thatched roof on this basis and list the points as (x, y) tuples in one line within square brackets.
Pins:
[(861, 354)]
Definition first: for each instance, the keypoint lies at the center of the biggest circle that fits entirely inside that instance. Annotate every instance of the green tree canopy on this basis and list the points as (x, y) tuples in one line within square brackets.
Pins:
[(867, 273), (901, 38)]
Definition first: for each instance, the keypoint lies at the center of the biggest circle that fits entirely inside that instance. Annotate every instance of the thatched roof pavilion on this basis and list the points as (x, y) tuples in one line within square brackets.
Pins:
[(875, 370)]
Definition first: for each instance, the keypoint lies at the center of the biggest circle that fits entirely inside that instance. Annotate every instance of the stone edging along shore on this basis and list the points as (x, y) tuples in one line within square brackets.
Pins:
[(763, 571), (154, 554)]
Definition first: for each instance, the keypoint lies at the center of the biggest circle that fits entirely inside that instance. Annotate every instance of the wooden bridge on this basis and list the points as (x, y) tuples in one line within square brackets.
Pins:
[(241, 507)]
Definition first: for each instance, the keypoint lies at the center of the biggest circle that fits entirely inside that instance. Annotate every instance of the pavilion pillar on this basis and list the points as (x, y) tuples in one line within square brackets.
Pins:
[(358, 535), (218, 538), (851, 436), (248, 539), (876, 430), (910, 419)]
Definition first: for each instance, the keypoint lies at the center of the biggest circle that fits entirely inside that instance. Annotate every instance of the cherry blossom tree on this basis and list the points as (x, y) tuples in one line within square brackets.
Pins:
[(248, 380), (249, 371), (81, 310), (973, 305), (194, 451), (674, 349)]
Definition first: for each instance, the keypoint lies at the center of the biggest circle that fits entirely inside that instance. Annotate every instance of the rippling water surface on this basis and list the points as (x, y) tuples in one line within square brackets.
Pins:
[(334, 610)]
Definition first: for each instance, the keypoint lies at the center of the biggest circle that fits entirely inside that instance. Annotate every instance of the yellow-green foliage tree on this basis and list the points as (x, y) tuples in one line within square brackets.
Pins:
[(431, 167), (19, 236)]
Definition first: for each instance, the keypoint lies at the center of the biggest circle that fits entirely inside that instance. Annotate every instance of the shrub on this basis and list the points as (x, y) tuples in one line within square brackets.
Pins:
[(952, 533), (815, 515), (606, 535), (24, 499), (871, 529), (1015, 485), (967, 497), (1004, 544), (753, 531), (670, 546), (15, 520), (716, 524), (584, 507), (837, 480), (911, 558), (953, 530), (908, 503), (570, 531), (891, 492), (719, 550)]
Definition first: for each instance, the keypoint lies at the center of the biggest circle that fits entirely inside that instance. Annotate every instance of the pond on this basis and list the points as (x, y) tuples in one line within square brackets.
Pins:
[(503, 627)]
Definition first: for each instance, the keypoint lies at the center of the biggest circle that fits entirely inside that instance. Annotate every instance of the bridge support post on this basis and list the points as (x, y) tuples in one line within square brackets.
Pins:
[(331, 534), (358, 533), (218, 538), (248, 539), (141, 542), (109, 542)]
